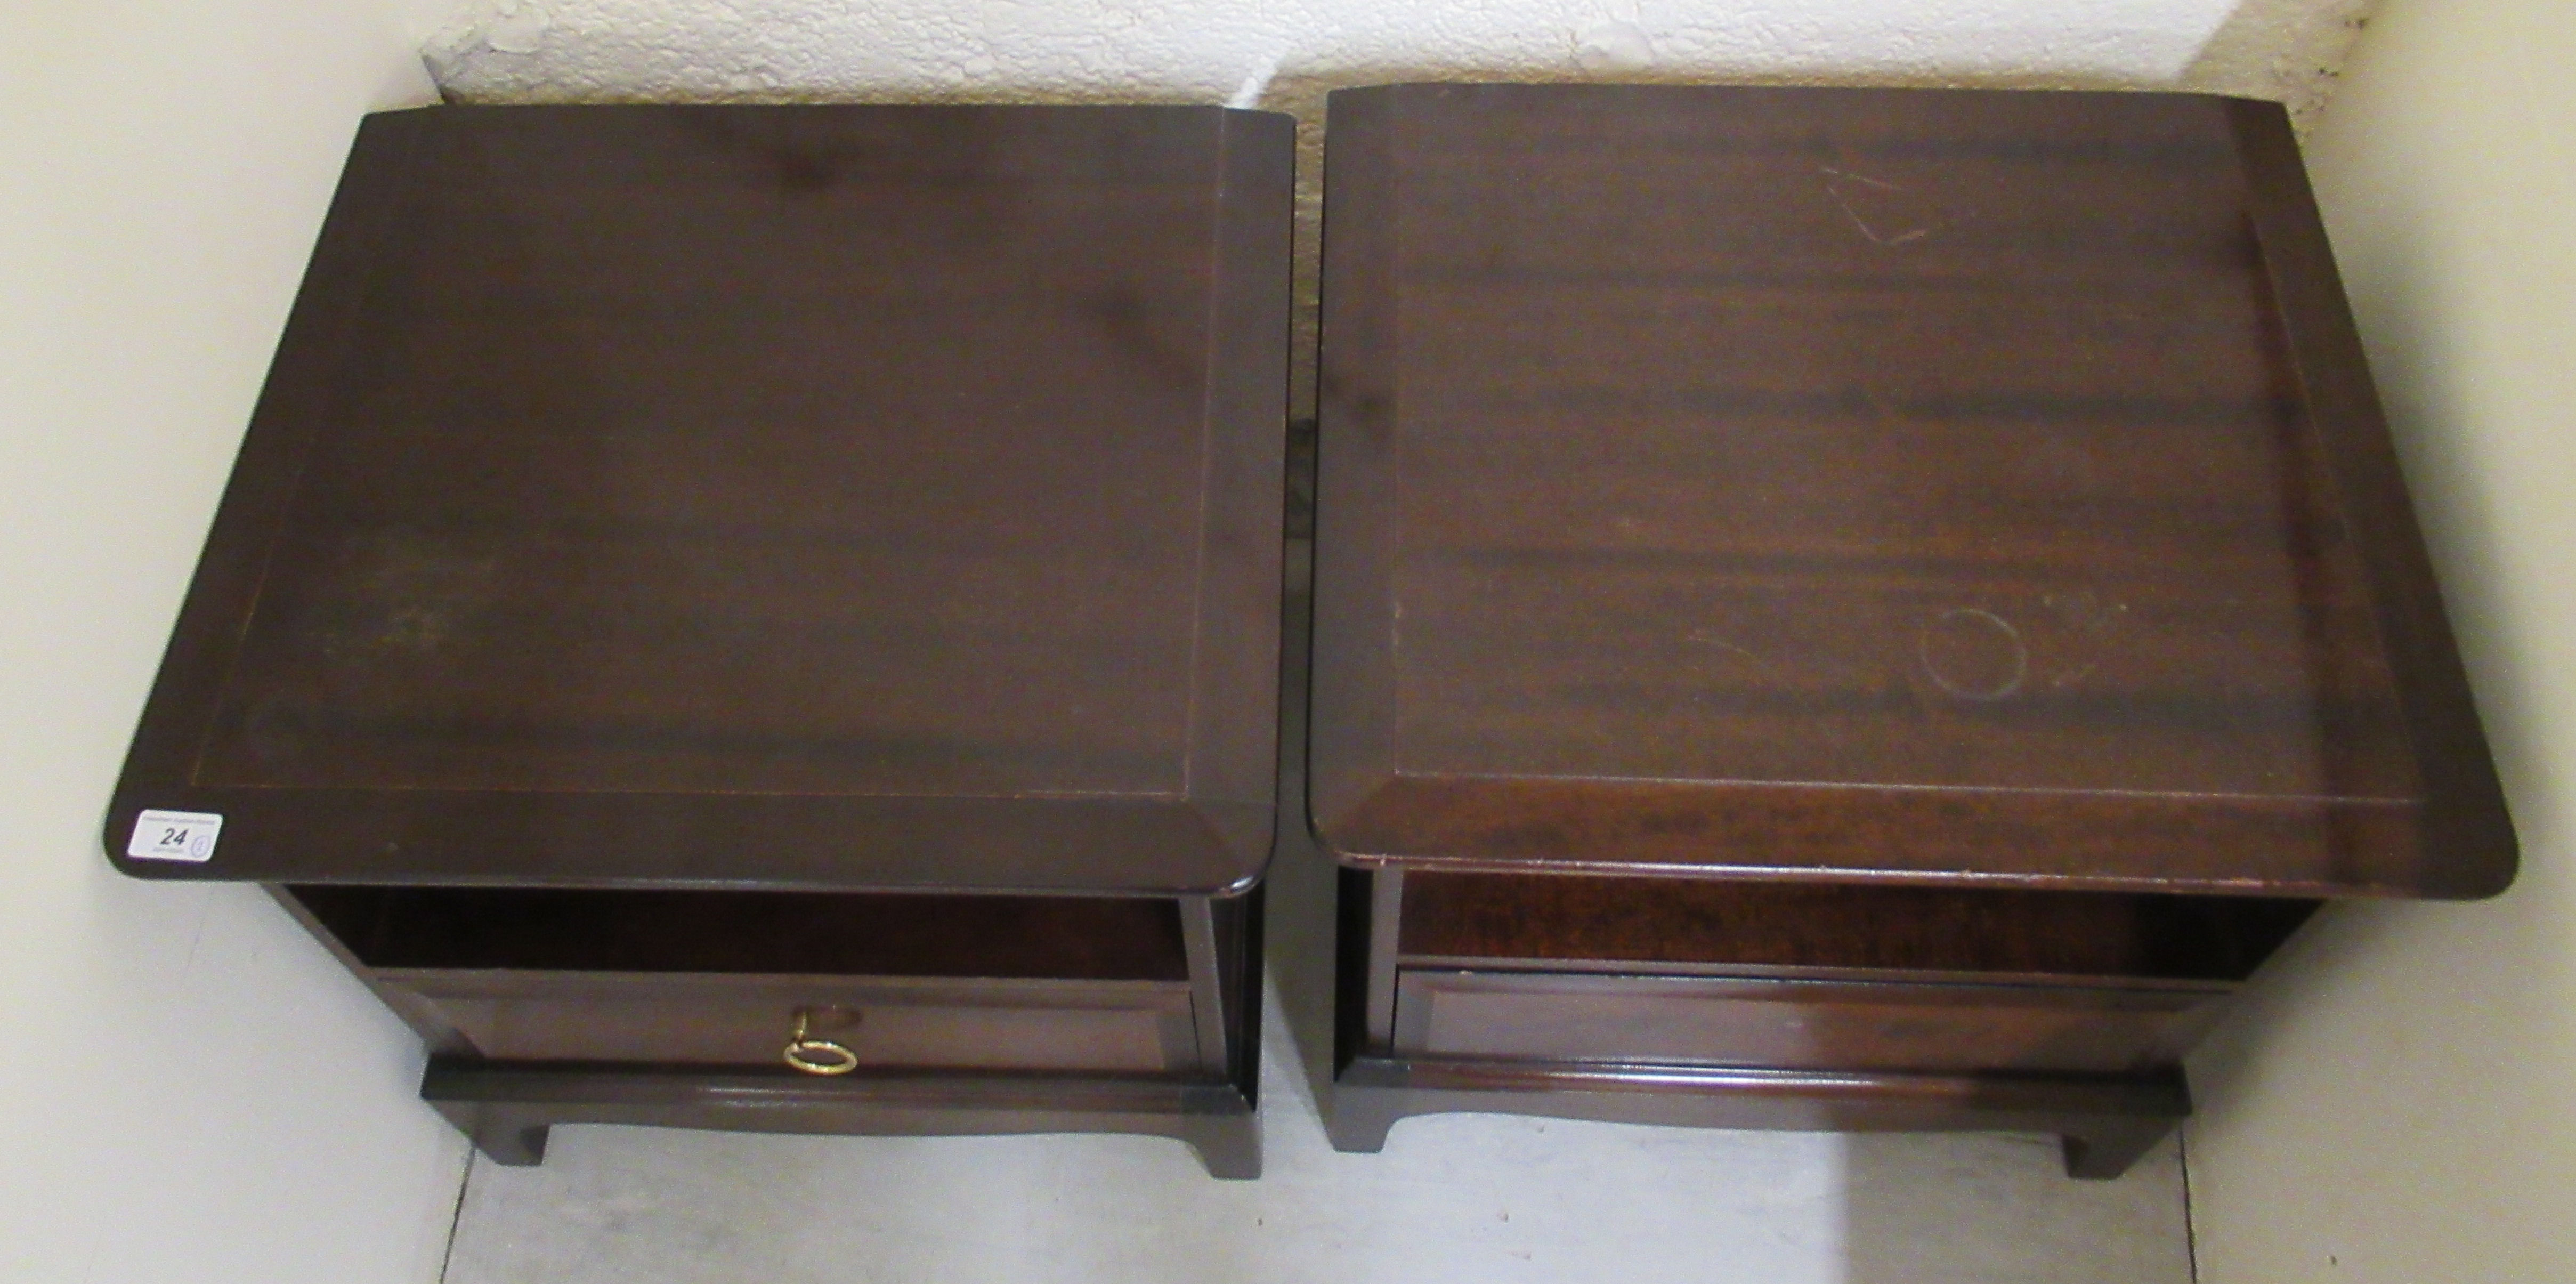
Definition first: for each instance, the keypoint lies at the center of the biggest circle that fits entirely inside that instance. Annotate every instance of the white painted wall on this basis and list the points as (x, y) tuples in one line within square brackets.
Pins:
[(190, 1089), (2399, 1103)]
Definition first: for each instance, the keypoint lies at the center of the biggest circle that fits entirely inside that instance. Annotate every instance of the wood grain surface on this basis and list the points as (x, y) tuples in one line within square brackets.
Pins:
[(847, 934), (813, 496), (1864, 484), (1647, 924)]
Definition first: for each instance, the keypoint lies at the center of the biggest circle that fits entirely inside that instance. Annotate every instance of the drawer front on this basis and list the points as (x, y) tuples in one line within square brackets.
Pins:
[(1788, 1024), (1119, 1027)]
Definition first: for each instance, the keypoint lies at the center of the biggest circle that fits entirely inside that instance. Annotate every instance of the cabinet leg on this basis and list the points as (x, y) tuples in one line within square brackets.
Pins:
[(1230, 1145), (522, 1146), (1357, 1120), (2102, 1151), (511, 1143)]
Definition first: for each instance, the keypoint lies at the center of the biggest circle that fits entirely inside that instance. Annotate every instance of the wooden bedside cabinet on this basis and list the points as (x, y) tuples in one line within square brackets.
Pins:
[(1850, 608), (766, 617)]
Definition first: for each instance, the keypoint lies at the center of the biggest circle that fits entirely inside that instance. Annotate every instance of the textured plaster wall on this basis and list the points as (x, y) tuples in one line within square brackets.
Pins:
[(1285, 55)]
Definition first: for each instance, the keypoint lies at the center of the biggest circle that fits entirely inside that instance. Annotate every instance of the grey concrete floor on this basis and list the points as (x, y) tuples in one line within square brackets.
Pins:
[(1484, 1198)]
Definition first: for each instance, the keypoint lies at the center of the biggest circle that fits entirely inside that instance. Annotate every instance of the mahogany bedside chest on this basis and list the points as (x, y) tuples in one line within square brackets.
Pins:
[(1850, 608), (766, 617)]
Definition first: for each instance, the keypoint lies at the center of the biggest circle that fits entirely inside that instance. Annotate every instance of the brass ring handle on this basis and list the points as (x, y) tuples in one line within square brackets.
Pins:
[(816, 1056)]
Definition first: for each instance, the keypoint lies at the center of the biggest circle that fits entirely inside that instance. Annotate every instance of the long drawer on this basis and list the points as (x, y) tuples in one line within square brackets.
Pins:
[(744, 1021), (1794, 1024)]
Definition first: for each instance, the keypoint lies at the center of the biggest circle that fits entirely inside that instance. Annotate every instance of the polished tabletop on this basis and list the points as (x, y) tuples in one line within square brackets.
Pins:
[(782, 496), (1922, 485)]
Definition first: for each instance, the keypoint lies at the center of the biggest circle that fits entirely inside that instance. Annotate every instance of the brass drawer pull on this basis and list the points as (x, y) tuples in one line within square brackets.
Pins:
[(817, 1056)]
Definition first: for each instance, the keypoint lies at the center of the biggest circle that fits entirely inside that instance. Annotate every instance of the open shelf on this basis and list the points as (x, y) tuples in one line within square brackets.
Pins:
[(1083, 938), (1557, 917)]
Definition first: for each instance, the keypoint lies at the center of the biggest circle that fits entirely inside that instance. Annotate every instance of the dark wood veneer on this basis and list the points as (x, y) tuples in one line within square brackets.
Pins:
[(1794, 482), (508, 1110), (1863, 608), (1646, 921), (700, 574), (585, 1020), (1817, 1025), (2106, 1122), (792, 496), (859, 934)]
